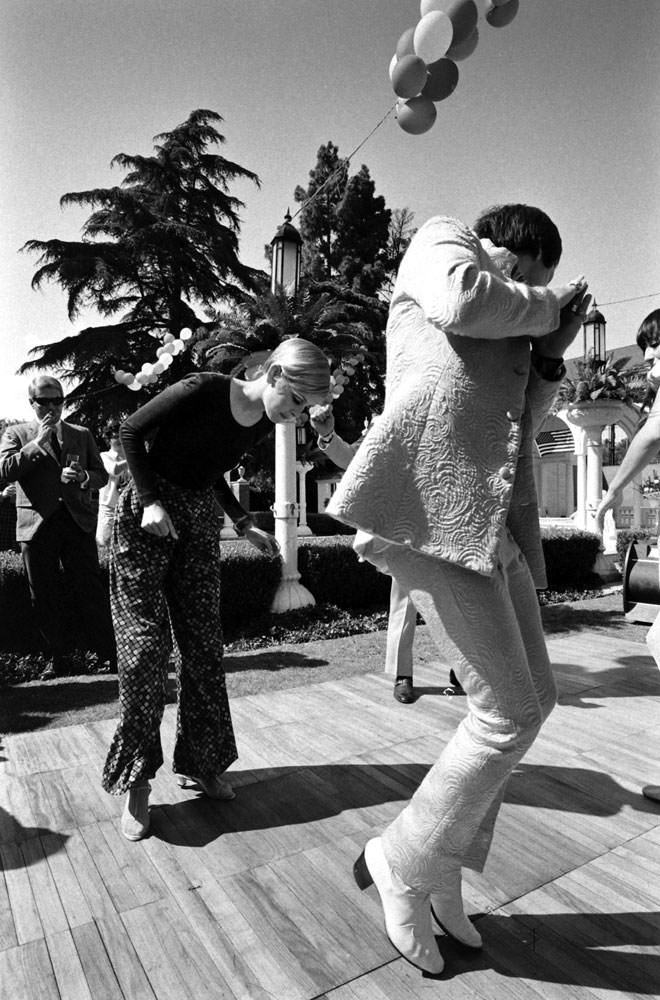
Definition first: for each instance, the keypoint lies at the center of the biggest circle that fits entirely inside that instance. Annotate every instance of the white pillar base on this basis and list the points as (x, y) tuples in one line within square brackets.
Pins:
[(304, 531), (291, 595)]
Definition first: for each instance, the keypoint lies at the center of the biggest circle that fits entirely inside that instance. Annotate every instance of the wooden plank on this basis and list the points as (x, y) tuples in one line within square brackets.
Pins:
[(71, 895), (145, 882), (99, 973), (69, 973), (8, 937), (97, 896), (144, 928), (126, 966), (114, 880), (44, 890), (23, 906), (38, 971), (12, 975)]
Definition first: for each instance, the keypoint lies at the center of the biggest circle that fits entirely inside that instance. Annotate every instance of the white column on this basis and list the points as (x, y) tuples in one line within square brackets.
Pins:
[(594, 474), (290, 593), (302, 468), (228, 530)]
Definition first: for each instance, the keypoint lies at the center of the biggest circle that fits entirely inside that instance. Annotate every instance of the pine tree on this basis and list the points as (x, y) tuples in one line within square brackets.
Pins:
[(156, 248)]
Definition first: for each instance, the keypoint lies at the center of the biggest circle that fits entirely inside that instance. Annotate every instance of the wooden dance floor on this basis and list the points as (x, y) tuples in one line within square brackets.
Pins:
[(255, 900)]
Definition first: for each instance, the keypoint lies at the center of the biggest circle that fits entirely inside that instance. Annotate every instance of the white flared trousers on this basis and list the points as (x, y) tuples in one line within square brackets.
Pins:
[(489, 630)]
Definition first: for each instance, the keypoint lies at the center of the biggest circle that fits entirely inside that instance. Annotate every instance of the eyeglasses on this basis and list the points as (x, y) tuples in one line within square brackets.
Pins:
[(48, 400)]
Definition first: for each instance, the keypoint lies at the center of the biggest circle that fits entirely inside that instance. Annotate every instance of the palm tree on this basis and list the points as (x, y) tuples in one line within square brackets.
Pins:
[(161, 244)]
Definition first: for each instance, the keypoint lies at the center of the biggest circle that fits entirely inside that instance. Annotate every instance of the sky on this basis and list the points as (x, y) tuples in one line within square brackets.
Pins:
[(559, 110)]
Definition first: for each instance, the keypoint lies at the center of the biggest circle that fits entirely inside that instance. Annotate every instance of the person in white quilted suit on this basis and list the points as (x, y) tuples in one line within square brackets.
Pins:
[(442, 492)]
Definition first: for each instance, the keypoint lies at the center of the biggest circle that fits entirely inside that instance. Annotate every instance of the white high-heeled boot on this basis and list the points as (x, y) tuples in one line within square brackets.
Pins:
[(135, 818), (407, 911), (448, 911)]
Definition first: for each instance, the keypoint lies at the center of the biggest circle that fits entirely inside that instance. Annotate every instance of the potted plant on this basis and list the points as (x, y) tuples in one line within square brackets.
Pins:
[(600, 390)]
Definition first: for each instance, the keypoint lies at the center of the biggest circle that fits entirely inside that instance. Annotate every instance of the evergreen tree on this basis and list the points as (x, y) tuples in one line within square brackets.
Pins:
[(154, 249)]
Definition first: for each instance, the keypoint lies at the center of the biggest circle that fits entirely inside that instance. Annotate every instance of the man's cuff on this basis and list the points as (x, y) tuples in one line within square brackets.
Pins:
[(85, 483)]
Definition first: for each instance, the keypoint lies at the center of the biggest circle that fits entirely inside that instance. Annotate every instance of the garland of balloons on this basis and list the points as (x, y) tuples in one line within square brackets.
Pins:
[(423, 68), (150, 371)]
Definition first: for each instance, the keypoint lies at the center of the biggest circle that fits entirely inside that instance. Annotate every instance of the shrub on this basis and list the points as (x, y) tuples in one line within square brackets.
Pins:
[(249, 582), (625, 536), (330, 569), (569, 557)]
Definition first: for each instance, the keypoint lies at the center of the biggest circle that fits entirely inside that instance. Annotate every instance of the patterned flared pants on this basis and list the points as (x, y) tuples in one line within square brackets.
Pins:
[(158, 584), (489, 630)]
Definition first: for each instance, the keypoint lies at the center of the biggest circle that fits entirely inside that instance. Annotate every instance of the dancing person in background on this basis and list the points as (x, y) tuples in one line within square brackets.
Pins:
[(402, 615), (444, 485), (165, 565), (56, 466), (114, 462), (643, 449)]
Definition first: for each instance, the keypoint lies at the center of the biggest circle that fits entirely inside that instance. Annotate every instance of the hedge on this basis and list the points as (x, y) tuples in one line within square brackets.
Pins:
[(328, 568)]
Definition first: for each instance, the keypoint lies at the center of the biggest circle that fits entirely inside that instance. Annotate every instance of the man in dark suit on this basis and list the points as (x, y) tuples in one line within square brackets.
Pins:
[(55, 466)]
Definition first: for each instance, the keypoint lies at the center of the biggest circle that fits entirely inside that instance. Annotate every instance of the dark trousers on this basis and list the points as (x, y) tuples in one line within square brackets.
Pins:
[(60, 542), (159, 586)]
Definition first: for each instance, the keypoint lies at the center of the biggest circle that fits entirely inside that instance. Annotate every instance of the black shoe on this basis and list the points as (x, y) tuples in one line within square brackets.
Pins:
[(403, 690)]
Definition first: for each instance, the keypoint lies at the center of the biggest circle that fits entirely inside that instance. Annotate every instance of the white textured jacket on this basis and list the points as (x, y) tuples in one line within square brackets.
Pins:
[(449, 464)]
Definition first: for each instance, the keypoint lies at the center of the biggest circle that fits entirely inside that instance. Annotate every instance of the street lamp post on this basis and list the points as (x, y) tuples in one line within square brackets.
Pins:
[(593, 330), (290, 594)]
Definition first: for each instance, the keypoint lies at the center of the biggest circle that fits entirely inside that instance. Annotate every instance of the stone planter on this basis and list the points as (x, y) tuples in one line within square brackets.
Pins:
[(596, 412)]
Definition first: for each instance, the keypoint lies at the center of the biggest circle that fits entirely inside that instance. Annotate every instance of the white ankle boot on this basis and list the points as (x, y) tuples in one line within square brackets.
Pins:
[(407, 911), (135, 818), (447, 909)]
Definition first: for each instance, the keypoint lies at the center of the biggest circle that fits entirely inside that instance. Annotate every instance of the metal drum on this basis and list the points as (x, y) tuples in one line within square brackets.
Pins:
[(641, 582)]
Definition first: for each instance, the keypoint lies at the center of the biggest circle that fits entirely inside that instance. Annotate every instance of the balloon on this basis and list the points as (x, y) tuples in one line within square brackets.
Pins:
[(167, 349), (501, 15), (119, 376), (147, 368), (168, 338), (141, 378), (433, 36), (441, 81), (166, 359), (186, 333), (463, 15), (393, 61), (409, 76), (177, 346), (134, 386), (159, 368), (465, 49), (128, 378), (416, 115), (159, 351), (404, 47)]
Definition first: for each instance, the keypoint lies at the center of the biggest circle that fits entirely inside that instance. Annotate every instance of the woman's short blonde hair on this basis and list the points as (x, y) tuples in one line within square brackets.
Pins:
[(305, 366)]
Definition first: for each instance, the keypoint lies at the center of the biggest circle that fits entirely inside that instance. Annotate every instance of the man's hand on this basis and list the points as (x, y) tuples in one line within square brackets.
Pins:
[(45, 429), (265, 543), (157, 521), (571, 318), (73, 473)]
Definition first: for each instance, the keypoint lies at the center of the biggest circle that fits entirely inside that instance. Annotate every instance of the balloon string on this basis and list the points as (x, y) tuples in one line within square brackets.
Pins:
[(636, 298), (348, 159)]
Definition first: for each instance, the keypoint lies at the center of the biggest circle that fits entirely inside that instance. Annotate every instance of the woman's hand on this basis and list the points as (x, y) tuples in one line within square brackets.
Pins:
[(609, 501), (157, 521), (265, 543), (571, 318), (322, 420)]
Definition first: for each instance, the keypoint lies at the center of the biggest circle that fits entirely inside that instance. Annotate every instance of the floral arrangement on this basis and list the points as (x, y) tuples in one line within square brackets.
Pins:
[(650, 487), (603, 379)]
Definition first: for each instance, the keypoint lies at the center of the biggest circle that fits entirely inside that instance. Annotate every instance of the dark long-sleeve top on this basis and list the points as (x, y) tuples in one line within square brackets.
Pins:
[(194, 439)]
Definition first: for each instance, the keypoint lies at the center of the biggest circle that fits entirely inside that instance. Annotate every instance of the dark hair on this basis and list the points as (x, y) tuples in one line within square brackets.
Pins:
[(521, 229), (111, 430), (648, 334)]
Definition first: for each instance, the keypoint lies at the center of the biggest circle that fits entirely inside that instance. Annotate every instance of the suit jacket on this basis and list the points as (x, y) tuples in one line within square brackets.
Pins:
[(39, 489), (449, 464)]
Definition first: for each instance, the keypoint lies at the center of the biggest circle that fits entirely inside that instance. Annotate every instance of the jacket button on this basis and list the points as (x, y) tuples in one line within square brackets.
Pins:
[(520, 370), (513, 415), (505, 473)]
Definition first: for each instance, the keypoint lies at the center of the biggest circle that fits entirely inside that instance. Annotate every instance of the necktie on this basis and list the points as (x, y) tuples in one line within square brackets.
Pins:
[(55, 445)]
